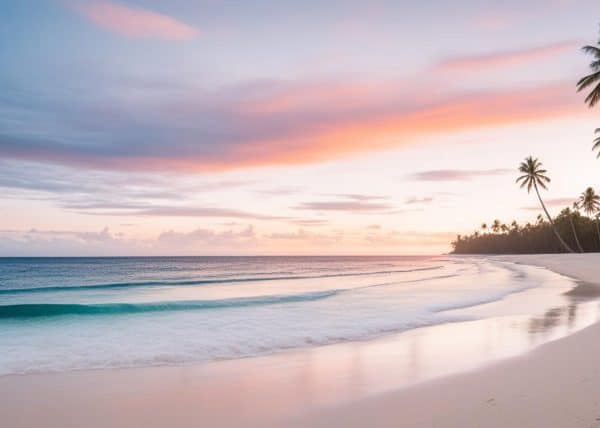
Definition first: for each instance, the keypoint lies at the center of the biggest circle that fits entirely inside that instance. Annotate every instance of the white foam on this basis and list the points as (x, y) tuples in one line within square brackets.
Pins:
[(403, 301)]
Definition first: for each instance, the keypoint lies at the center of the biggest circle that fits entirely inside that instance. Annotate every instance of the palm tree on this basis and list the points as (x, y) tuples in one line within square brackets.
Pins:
[(496, 226), (571, 214), (484, 227), (514, 226), (593, 78), (534, 176), (597, 228), (590, 202), (597, 143)]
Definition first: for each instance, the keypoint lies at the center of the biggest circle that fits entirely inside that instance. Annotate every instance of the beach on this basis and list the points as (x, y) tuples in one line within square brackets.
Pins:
[(505, 370), (555, 385), (271, 214)]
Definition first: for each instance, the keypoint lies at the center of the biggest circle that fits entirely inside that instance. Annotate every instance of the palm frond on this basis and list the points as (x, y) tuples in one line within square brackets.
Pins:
[(533, 174), (591, 50), (590, 201), (588, 80), (594, 96)]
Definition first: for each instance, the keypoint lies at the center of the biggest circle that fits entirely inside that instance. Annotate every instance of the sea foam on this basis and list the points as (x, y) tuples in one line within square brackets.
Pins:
[(206, 310)]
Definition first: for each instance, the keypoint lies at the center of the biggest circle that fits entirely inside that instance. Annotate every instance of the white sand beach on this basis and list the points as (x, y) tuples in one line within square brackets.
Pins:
[(555, 385), (505, 371)]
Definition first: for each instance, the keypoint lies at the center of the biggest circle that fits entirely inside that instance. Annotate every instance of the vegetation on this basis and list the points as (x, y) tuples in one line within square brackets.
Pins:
[(573, 228), (539, 237), (597, 143), (594, 77), (569, 229), (590, 202), (535, 177)]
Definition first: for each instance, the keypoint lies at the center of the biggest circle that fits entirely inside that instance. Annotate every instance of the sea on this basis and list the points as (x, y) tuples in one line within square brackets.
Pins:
[(62, 314)]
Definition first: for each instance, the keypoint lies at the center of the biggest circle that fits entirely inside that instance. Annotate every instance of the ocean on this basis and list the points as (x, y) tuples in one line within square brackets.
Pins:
[(60, 314)]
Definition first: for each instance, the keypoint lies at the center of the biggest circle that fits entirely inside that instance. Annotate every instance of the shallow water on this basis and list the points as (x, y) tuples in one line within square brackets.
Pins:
[(66, 314)]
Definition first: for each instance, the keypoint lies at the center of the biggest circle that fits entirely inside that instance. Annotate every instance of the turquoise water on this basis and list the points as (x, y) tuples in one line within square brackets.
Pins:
[(76, 313)]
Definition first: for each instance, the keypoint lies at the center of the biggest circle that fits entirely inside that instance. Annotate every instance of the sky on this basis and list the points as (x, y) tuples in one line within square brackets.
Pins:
[(265, 127)]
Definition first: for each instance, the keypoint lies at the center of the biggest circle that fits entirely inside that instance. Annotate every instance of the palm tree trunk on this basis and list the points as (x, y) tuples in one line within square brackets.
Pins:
[(575, 233), (598, 230), (563, 243)]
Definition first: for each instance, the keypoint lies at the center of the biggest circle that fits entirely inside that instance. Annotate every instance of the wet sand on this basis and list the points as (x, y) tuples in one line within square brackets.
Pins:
[(555, 385)]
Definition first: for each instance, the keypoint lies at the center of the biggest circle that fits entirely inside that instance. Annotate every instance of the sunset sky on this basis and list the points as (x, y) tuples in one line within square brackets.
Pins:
[(184, 127)]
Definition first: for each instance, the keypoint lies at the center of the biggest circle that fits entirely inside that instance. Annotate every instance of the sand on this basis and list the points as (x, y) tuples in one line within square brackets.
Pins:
[(584, 267), (347, 385), (555, 385)]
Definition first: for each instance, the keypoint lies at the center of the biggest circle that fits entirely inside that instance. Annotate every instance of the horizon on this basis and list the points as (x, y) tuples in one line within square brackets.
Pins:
[(207, 256), (145, 129)]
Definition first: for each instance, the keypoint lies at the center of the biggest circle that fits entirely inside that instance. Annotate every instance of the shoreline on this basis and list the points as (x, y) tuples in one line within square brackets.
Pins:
[(578, 266), (340, 384), (549, 386)]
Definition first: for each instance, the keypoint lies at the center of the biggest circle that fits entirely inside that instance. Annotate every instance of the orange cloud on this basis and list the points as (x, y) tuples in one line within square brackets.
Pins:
[(507, 58), (391, 128), (136, 22), (396, 238), (309, 129)]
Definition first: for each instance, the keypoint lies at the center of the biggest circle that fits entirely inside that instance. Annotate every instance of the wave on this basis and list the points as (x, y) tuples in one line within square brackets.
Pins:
[(204, 281), (478, 300), (33, 310)]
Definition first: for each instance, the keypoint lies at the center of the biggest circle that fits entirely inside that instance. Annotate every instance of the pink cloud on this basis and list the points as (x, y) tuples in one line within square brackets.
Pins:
[(387, 126), (304, 134), (348, 206), (136, 22), (457, 174), (507, 58), (209, 236), (395, 238), (556, 202)]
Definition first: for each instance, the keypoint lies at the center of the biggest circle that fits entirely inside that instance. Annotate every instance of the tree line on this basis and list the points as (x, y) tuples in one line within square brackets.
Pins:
[(570, 231), (579, 232)]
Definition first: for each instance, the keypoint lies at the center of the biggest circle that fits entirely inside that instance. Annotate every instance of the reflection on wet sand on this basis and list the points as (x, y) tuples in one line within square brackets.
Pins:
[(314, 378), (564, 315), (332, 375), (583, 291)]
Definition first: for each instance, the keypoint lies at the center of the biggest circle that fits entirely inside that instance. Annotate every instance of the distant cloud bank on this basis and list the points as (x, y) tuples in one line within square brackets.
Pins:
[(457, 174), (507, 58)]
